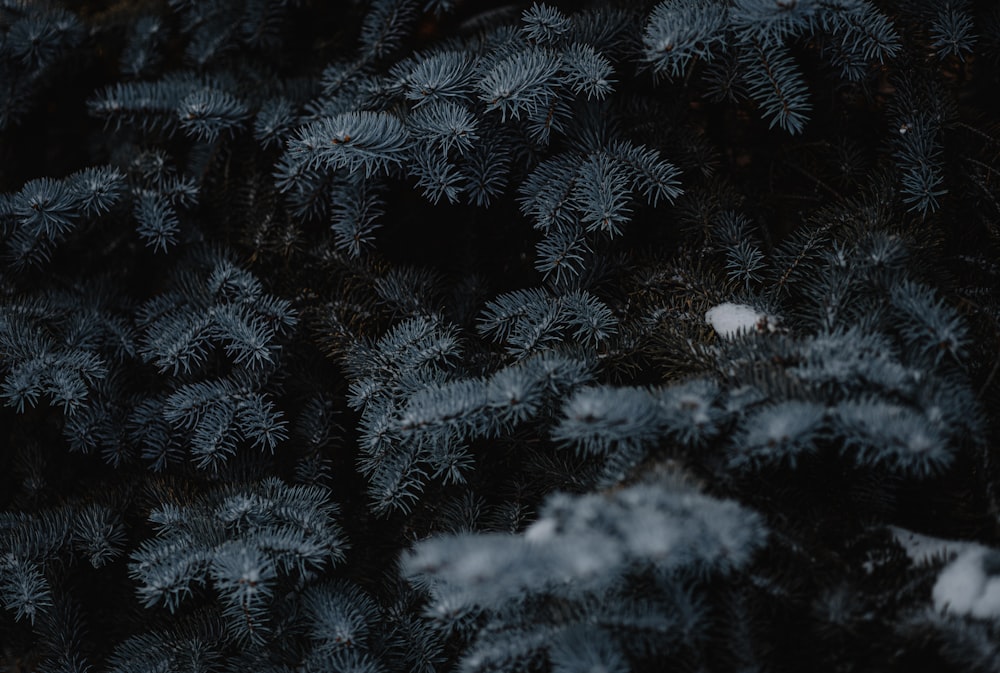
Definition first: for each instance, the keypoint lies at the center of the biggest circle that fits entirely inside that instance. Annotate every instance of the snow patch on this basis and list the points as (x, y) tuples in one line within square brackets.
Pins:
[(729, 319), (964, 587), (542, 530)]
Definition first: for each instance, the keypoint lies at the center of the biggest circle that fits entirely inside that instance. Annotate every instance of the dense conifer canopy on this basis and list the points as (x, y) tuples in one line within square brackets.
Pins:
[(383, 336)]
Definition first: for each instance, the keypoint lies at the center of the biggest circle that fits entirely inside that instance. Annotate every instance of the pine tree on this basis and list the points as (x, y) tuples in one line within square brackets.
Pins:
[(403, 335)]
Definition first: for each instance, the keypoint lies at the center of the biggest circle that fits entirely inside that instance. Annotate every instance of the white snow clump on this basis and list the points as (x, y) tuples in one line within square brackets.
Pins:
[(964, 588), (728, 319)]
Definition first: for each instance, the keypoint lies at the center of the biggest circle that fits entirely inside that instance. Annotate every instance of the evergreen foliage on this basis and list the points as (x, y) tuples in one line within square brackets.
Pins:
[(405, 335)]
